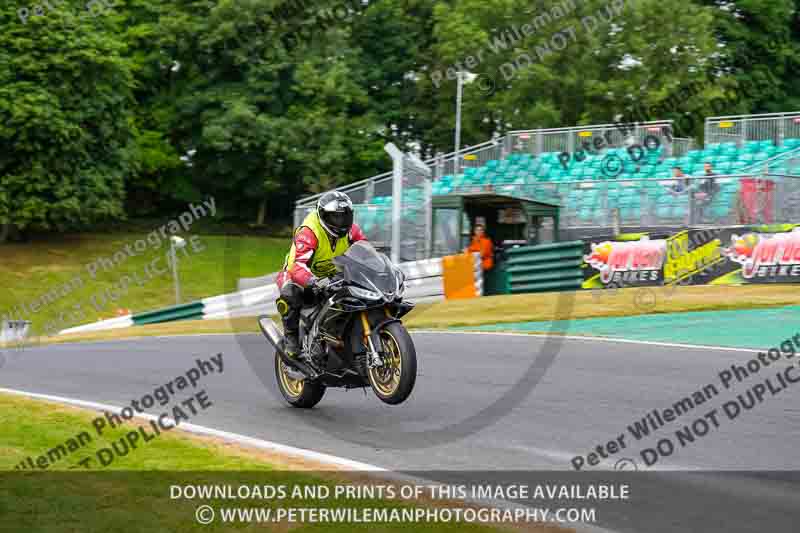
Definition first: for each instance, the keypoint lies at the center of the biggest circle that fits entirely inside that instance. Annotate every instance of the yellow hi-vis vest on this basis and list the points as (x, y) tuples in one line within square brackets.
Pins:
[(321, 262)]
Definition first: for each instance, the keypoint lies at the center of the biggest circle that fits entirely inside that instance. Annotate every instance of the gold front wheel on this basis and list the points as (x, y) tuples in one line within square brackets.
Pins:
[(394, 380), (386, 378)]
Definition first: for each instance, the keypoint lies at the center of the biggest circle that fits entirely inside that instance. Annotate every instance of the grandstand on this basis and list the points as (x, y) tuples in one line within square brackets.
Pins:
[(636, 195)]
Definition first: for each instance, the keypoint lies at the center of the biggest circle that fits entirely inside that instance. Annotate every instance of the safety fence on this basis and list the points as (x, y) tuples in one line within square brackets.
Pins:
[(594, 136), (543, 268), (774, 127), (424, 283), (374, 197), (767, 195)]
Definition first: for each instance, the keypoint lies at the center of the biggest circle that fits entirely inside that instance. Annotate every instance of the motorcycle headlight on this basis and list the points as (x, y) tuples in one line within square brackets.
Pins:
[(365, 294)]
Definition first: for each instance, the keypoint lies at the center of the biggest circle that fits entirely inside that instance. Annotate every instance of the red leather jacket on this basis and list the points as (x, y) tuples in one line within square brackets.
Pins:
[(305, 244)]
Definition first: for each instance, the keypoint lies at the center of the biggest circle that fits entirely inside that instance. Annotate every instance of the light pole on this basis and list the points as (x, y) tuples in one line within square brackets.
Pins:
[(176, 243), (462, 77)]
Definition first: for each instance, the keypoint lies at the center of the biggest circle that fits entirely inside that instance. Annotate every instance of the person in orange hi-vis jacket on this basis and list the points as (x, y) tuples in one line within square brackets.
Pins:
[(482, 245)]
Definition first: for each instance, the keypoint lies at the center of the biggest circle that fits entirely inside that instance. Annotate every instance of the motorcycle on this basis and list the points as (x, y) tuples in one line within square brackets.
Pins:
[(352, 335)]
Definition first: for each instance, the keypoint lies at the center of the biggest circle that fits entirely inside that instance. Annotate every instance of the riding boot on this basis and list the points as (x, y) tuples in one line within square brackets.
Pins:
[(291, 333), (289, 305)]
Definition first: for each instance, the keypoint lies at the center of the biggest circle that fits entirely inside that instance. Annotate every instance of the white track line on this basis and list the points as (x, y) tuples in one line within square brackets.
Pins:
[(295, 452), (588, 338), (202, 430)]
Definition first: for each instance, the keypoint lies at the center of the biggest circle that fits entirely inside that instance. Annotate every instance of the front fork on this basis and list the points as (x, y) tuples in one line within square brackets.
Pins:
[(375, 359)]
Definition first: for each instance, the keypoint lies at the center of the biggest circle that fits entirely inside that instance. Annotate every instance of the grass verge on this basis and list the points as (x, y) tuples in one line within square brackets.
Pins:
[(134, 493), (75, 279)]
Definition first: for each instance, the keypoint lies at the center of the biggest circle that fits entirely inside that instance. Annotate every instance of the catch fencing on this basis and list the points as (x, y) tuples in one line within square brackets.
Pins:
[(374, 197), (739, 129), (571, 139)]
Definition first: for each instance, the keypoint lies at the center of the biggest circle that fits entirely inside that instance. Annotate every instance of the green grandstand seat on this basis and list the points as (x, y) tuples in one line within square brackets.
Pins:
[(748, 158), (752, 146), (695, 155), (792, 143), (722, 168), (590, 173), (648, 170)]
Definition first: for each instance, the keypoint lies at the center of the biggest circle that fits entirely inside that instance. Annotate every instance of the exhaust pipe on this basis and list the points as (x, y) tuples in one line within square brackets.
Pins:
[(297, 369), (271, 333)]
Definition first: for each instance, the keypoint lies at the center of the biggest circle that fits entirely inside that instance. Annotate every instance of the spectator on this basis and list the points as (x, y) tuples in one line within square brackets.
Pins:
[(681, 185), (482, 245), (709, 185), (705, 192)]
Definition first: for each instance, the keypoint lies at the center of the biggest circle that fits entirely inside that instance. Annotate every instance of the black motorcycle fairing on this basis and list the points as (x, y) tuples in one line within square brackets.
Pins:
[(368, 269)]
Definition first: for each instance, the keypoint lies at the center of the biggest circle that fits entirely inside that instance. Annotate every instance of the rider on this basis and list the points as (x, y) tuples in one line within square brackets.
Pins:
[(327, 232)]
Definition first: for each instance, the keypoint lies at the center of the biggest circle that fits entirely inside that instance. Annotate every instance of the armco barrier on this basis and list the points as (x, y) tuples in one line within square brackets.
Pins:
[(547, 267), (250, 302), (254, 283), (188, 311), (423, 284), (119, 322)]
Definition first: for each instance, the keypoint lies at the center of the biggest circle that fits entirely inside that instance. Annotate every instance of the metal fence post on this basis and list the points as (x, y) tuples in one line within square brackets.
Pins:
[(369, 192), (397, 197), (428, 188)]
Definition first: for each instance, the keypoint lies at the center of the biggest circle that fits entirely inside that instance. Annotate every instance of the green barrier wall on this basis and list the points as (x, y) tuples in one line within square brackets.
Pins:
[(169, 314), (547, 267)]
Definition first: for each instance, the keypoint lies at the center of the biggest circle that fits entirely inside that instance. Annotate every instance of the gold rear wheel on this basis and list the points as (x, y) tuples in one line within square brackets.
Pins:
[(294, 387), (298, 392)]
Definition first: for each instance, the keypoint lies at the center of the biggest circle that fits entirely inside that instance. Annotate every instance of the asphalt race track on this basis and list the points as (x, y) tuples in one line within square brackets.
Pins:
[(469, 413)]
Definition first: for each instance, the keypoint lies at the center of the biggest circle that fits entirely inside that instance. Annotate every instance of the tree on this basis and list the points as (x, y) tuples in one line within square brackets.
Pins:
[(65, 121), (760, 45)]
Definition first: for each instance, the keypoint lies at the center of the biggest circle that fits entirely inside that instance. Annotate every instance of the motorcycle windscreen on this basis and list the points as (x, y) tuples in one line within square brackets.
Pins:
[(365, 266)]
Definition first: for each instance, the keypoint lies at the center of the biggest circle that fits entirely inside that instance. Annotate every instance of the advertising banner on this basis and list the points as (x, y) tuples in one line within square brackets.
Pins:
[(715, 256)]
